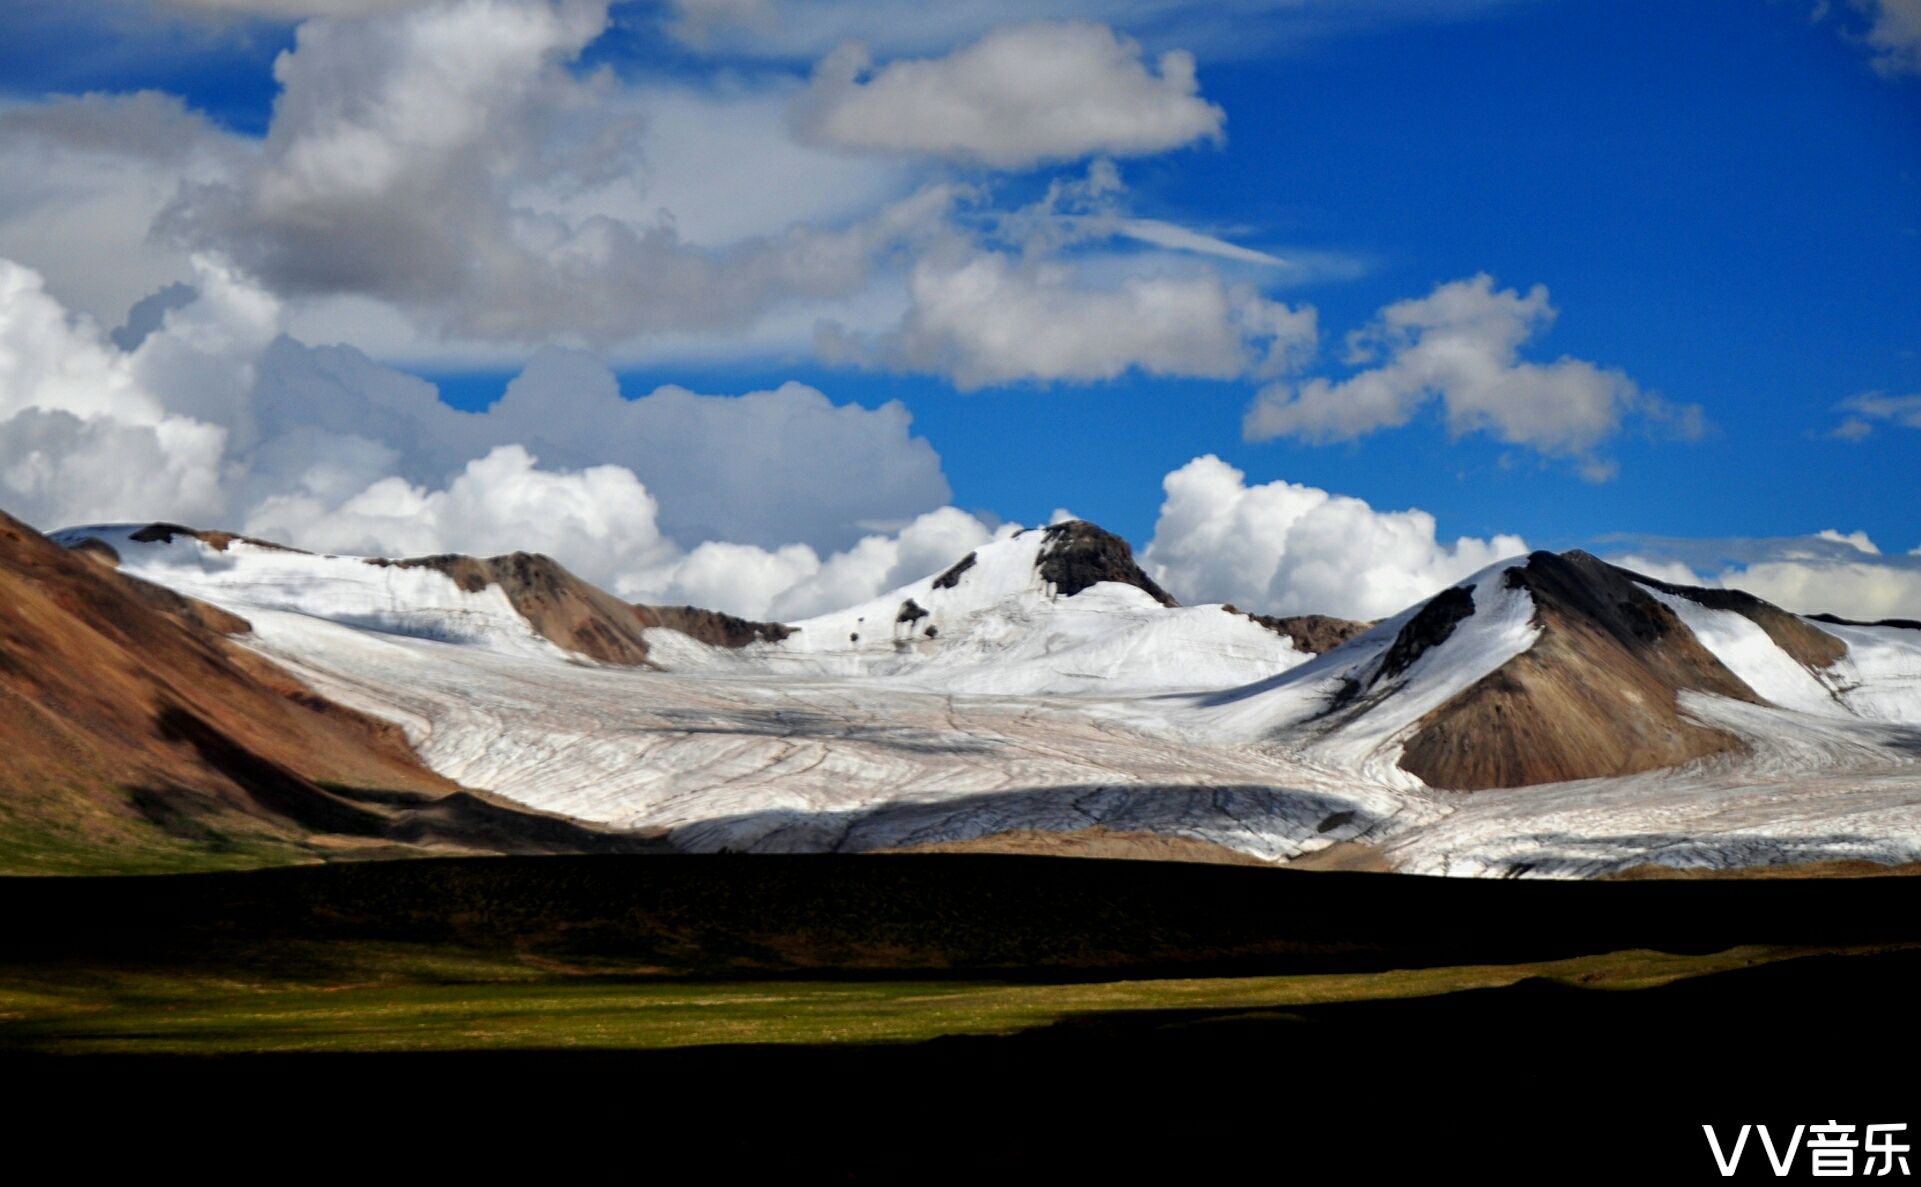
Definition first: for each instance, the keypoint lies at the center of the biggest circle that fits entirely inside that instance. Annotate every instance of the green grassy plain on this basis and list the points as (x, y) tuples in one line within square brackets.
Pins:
[(410, 998)]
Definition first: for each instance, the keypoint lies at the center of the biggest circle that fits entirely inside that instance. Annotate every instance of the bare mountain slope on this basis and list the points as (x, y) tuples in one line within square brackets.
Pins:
[(135, 734), (1596, 694), (1560, 667)]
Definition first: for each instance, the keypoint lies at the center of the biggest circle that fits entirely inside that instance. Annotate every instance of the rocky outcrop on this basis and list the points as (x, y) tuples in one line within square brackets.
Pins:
[(1905, 624), (711, 626), (1076, 554), (163, 533), (1429, 628), (1313, 634), (951, 578)]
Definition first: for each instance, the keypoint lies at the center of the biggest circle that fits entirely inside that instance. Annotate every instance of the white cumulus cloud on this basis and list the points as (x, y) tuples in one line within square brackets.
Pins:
[(1020, 96), (82, 180), (1862, 590), (86, 429), (988, 318), (1829, 572), (293, 10), (766, 467), (1460, 345), (1284, 548), (601, 518), (448, 161), (793, 583), (443, 183), (215, 418)]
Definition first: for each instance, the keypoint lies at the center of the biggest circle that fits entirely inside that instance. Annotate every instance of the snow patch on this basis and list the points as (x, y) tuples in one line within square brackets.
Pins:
[(248, 578), (1747, 651), (1309, 706)]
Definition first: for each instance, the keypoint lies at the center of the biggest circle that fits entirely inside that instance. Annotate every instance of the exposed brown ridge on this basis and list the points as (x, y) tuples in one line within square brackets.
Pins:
[(711, 626), (1596, 695), (582, 618), (137, 736), (1310, 633)]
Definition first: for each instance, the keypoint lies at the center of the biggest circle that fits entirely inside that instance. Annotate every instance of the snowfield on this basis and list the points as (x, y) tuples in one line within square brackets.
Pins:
[(1023, 709)]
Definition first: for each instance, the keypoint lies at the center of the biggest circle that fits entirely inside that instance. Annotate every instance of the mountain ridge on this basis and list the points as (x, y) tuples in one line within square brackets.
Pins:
[(134, 727), (1042, 684)]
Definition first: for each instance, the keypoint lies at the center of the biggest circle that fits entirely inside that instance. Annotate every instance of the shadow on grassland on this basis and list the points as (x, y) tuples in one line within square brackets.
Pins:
[(954, 916)]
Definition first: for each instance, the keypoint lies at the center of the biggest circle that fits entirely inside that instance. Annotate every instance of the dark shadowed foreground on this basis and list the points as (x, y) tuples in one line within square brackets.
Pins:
[(910, 915), (940, 1017)]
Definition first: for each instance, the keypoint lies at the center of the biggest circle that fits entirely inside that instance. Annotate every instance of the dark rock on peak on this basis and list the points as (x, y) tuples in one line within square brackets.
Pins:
[(163, 533), (1076, 555), (1906, 624), (952, 576), (1428, 629), (1809, 645)]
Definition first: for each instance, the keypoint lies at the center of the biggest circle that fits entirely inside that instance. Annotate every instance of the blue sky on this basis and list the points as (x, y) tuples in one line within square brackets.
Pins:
[(1721, 200), (1724, 201)]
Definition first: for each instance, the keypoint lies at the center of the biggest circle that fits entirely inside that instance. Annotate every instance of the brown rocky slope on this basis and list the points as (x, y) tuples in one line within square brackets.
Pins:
[(1598, 692), (138, 736)]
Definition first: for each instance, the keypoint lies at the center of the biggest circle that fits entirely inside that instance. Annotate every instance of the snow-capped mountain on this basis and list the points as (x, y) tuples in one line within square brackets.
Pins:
[(522, 602), (1552, 667), (1059, 610), (136, 735), (1044, 686)]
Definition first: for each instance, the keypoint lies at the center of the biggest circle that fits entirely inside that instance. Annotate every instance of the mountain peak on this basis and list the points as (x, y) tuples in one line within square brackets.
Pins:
[(1598, 691), (1076, 554)]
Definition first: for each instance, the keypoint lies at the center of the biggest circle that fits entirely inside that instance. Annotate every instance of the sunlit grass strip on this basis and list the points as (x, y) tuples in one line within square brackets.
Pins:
[(456, 1004)]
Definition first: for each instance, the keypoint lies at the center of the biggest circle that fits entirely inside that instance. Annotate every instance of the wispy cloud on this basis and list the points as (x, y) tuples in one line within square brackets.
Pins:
[(1871, 409)]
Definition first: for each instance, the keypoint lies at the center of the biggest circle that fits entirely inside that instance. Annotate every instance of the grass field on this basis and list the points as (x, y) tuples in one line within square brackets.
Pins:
[(401, 998)]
